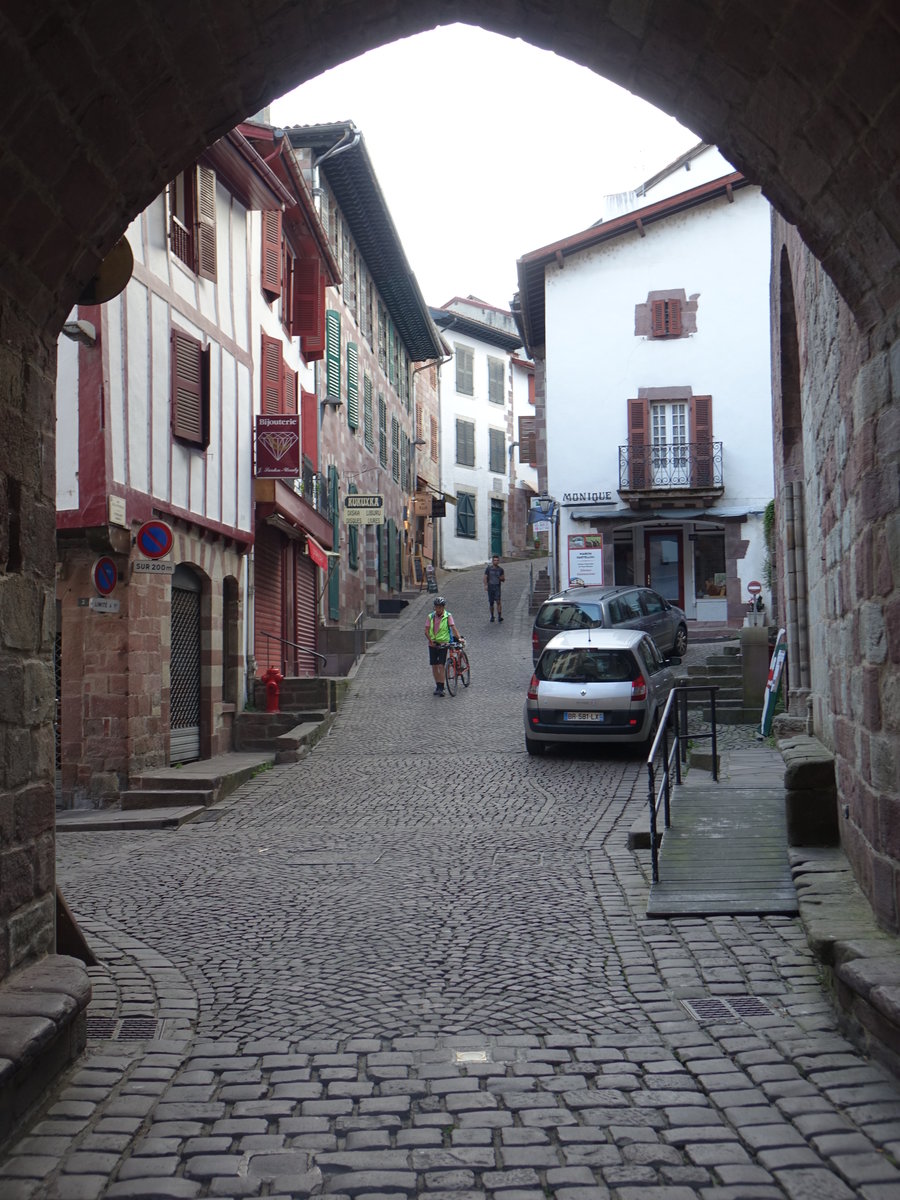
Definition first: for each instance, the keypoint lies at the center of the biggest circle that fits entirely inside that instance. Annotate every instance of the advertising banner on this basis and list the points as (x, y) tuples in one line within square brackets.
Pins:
[(586, 558), (278, 446)]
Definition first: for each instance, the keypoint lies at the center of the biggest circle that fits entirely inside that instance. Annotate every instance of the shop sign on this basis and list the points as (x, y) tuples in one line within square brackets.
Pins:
[(278, 446), (360, 509), (586, 558)]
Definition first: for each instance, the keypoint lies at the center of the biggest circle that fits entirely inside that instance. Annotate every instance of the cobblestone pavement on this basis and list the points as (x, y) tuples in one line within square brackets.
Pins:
[(418, 962)]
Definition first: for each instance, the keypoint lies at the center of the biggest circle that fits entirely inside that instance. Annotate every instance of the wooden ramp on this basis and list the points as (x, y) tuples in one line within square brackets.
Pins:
[(726, 850)]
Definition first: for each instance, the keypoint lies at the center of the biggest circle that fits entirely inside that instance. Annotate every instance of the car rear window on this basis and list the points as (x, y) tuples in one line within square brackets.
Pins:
[(586, 666), (566, 614)]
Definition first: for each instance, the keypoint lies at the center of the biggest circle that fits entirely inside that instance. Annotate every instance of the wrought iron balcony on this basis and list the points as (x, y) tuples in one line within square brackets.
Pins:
[(313, 487), (695, 468)]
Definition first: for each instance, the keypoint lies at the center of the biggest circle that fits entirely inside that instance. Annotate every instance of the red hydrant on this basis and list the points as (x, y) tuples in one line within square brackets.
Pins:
[(272, 679)]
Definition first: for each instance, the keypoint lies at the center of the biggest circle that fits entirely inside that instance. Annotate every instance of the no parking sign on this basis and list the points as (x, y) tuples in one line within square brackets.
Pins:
[(105, 575), (154, 539)]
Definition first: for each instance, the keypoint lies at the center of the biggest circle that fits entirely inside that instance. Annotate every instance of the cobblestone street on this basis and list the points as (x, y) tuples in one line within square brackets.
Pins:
[(418, 962)]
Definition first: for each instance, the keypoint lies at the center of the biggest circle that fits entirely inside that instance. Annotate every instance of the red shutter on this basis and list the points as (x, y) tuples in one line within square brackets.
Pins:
[(205, 223), (309, 428), (701, 437), (638, 443), (267, 570), (271, 253), (291, 383), (187, 387), (305, 315), (674, 318), (313, 313), (531, 388), (272, 375)]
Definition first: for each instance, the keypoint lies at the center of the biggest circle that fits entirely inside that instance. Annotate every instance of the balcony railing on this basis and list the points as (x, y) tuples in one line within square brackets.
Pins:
[(313, 487), (687, 465)]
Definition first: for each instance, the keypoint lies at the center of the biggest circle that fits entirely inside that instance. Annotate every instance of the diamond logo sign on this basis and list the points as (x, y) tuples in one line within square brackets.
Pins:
[(278, 446)]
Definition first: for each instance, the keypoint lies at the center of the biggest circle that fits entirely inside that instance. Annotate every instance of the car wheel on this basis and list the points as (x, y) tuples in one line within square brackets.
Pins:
[(680, 646), (647, 745), (534, 747)]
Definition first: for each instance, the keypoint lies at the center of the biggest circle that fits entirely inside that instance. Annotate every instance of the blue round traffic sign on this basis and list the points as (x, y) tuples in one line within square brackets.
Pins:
[(106, 575), (154, 539)]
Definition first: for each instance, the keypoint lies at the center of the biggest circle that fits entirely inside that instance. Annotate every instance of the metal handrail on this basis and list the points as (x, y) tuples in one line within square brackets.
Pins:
[(646, 467), (677, 704), (296, 645)]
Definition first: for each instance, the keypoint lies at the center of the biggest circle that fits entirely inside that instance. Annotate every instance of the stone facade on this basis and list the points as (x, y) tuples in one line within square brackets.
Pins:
[(839, 469)]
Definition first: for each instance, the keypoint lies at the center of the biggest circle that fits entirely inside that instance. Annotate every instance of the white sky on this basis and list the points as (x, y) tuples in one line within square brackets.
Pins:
[(486, 148)]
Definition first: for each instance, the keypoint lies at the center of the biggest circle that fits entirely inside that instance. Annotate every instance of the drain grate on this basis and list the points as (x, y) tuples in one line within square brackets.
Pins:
[(125, 1029), (735, 1008)]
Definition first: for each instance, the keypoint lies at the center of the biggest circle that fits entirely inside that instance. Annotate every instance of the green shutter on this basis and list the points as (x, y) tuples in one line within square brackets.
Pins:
[(333, 354), (353, 539), (352, 385), (391, 374), (368, 417)]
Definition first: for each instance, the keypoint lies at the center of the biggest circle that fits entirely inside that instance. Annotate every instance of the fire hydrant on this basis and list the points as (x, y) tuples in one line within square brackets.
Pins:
[(272, 679)]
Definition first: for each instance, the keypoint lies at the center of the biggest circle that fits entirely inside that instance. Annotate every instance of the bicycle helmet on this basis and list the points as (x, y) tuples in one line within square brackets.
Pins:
[(439, 602)]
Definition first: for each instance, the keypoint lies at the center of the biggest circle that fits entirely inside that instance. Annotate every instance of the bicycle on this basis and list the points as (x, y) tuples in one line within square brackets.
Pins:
[(457, 666)]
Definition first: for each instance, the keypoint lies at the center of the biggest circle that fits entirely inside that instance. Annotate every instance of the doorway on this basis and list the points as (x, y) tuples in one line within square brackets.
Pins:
[(664, 565), (184, 693), (497, 527)]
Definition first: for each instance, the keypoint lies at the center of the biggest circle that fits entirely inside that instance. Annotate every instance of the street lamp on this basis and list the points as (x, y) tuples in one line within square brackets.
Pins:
[(548, 510)]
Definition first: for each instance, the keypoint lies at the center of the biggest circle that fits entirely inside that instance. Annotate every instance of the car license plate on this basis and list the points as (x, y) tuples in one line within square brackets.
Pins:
[(583, 716)]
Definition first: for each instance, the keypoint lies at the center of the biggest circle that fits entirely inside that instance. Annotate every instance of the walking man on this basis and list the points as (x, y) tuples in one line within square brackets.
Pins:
[(493, 579), (440, 629)]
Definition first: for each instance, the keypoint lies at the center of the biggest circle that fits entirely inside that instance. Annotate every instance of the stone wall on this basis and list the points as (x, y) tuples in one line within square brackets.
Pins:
[(27, 522), (849, 386)]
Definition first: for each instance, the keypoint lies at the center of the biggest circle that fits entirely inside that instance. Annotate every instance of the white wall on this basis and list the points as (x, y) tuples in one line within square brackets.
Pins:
[(460, 551)]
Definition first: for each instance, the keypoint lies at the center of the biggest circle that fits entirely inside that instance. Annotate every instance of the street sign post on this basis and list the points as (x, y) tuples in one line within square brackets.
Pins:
[(360, 509)]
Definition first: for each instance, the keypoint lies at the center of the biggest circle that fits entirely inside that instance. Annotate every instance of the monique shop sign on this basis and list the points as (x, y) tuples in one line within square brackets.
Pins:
[(278, 446), (587, 498)]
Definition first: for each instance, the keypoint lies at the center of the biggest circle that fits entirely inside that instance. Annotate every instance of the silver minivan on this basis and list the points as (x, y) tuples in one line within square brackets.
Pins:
[(618, 607), (597, 685)]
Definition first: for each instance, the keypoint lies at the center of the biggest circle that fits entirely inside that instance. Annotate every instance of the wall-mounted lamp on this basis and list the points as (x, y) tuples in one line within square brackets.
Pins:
[(419, 442), (82, 332)]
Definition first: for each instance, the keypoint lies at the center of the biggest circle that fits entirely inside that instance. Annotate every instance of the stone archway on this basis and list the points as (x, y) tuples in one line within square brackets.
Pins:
[(103, 105)]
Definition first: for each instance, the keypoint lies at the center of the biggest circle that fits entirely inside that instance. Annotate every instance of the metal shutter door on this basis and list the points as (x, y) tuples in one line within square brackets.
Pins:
[(306, 611), (267, 598), (184, 694)]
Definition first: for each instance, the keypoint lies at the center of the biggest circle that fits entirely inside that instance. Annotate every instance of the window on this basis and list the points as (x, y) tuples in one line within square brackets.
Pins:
[(382, 431), (669, 458), (465, 443), (352, 385), (395, 449), (665, 318), (497, 461), (279, 384), (670, 444), (709, 565), (496, 380), (465, 514), (465, 369), (192, 220), (434, 439), (368, 416), (527, 441), (190, 389)]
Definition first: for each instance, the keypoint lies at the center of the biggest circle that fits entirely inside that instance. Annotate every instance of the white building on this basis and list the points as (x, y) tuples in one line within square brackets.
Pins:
[(653, 391), (476, 429)]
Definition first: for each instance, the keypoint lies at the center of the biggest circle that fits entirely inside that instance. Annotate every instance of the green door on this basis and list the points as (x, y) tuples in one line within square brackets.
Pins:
[(497, 527)]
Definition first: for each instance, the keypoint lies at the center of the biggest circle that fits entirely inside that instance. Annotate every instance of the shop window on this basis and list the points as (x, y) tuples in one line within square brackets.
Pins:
[(709, 565)]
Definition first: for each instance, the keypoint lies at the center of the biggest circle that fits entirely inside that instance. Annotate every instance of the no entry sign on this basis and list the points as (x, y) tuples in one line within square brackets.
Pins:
[(154, 539)]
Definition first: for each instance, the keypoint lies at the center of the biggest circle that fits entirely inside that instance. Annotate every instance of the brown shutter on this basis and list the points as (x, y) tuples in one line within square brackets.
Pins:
[(674, 318), (701, 437), (205, 223), (314, 316), (638, 443), (272, 375), (291, 384), (658, 318), (271, 253), (527, 447), (187, 387), (531, 388)]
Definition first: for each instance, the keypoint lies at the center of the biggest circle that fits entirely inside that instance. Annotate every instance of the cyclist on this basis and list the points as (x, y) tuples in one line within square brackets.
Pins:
[(440, 629)]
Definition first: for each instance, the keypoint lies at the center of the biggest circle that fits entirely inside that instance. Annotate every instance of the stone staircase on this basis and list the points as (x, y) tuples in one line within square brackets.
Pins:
[(723, 670), (541, 591)]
